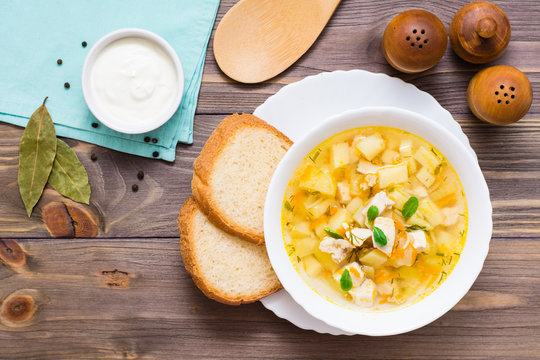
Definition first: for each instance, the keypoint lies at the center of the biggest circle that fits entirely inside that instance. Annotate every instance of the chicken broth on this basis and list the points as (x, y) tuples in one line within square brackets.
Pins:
[(374, 217)]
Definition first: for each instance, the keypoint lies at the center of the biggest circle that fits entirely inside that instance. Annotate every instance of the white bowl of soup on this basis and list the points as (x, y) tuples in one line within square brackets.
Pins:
[(378, 221)]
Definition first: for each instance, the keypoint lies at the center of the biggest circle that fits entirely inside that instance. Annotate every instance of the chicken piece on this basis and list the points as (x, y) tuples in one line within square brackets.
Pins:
[(381, 201), (370, 181), (420, 191), (451, 215), (418, 240), (357, 275), (366, 167), (338, 249), (364, 295), (388, 228), (357, 236), (385, 288), (344, 191)]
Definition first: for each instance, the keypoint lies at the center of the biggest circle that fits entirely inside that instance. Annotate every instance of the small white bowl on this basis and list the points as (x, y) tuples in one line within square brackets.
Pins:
[(405, 318), (93, 105)]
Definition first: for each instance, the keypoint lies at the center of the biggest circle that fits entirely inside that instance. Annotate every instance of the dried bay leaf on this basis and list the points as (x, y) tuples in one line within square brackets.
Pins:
[(37, 150), (68, 175)]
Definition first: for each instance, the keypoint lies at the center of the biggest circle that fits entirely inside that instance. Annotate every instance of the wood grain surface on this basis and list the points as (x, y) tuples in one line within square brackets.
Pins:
[(126, 295)]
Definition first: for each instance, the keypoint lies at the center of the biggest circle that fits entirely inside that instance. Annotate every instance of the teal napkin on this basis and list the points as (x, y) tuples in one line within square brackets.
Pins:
[(34, 34)]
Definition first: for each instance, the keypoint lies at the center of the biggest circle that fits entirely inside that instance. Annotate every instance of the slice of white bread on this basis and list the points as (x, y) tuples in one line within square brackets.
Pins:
[(227, 269), (233, 171)]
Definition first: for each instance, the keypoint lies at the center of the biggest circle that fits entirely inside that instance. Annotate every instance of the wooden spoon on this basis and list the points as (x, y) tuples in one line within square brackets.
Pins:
[(258, 39)]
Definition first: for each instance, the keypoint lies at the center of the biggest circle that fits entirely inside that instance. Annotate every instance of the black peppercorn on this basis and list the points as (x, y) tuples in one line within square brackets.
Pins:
[(66, 85), (154, 140), (95, 125), (93, 157), (155, 154), (59, 61), (147, 139), (84, 43), (140, 175), (134, 187)]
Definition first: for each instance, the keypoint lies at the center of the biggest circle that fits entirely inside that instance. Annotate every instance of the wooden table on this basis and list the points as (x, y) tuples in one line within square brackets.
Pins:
[(126, 295)]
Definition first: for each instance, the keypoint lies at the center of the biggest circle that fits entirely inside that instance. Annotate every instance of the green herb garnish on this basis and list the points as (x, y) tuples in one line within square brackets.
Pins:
[(290, 249), (346, 281), (332, 233), (316, 155), (410, 207), (415, 227), (372, 213), (288, 206), (379, 237)]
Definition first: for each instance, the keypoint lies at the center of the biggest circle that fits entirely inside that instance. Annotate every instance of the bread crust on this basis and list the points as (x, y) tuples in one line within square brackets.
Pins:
[(187, 233), (204, 165)]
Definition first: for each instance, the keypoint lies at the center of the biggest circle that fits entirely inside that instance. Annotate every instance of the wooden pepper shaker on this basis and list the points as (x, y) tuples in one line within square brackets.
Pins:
[(414, 41), (500, 95), (479, 32)]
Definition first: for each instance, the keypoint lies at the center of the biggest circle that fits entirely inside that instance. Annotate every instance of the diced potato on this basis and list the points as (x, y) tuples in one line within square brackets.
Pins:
[(370, 146), (358, 217), (427, 158), (317, 209), (391, 175), (340, 155), (343, 191), (406, 147), (356, 189), (353, 155), (431, 212), (430, 264), (306, 246), (411, 165), (319, 229), (425, 177), (373, 258), (368, 271), (318, 180), (393, 141), (417, 219), (445, 241), (326, 260), (399, 197), (301, 230), (312, 266), (354, 205), (341, 216), (390, 157), (448, 188)]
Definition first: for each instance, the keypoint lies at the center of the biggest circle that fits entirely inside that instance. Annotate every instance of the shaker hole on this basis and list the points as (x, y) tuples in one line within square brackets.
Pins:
[(505, 94), (408, 38), (512, 88), (507, 102), (513, 96), (418, 38), (412, 44), (420, 46), (496, 93), (499, 101), (415, 31), (502, 87), (425, 41), (423, 31)]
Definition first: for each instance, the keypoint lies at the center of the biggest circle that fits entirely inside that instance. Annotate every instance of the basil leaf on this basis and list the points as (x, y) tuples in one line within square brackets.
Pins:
[(410, 207), (332, 233), (372, 213), (68, 175), (345, 281), (37, 150), (379, 237)]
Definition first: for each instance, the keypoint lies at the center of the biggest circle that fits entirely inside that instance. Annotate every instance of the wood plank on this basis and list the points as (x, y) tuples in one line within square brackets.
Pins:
[(159, 313)]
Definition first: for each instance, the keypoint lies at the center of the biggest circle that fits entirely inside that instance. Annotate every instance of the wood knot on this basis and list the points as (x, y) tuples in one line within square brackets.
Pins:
[(70, 219), (11, 253), (18, 308), (116, 278)]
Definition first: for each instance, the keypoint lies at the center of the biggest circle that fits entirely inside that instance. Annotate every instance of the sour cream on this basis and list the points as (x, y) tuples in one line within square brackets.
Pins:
[(133, 81)]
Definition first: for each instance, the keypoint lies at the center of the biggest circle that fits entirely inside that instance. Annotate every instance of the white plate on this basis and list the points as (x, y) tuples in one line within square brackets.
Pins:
[(298, 107)]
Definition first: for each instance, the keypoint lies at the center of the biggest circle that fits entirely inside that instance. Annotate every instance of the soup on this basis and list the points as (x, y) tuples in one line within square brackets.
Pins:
[(374, 217)]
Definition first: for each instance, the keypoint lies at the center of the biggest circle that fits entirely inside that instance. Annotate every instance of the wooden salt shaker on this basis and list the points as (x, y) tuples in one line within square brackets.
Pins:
[(479, 32), (500, 95), (414, 41)]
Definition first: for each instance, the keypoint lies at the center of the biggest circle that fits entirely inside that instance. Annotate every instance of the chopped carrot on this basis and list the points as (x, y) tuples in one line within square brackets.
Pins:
[(332, 210), (383, 274)]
